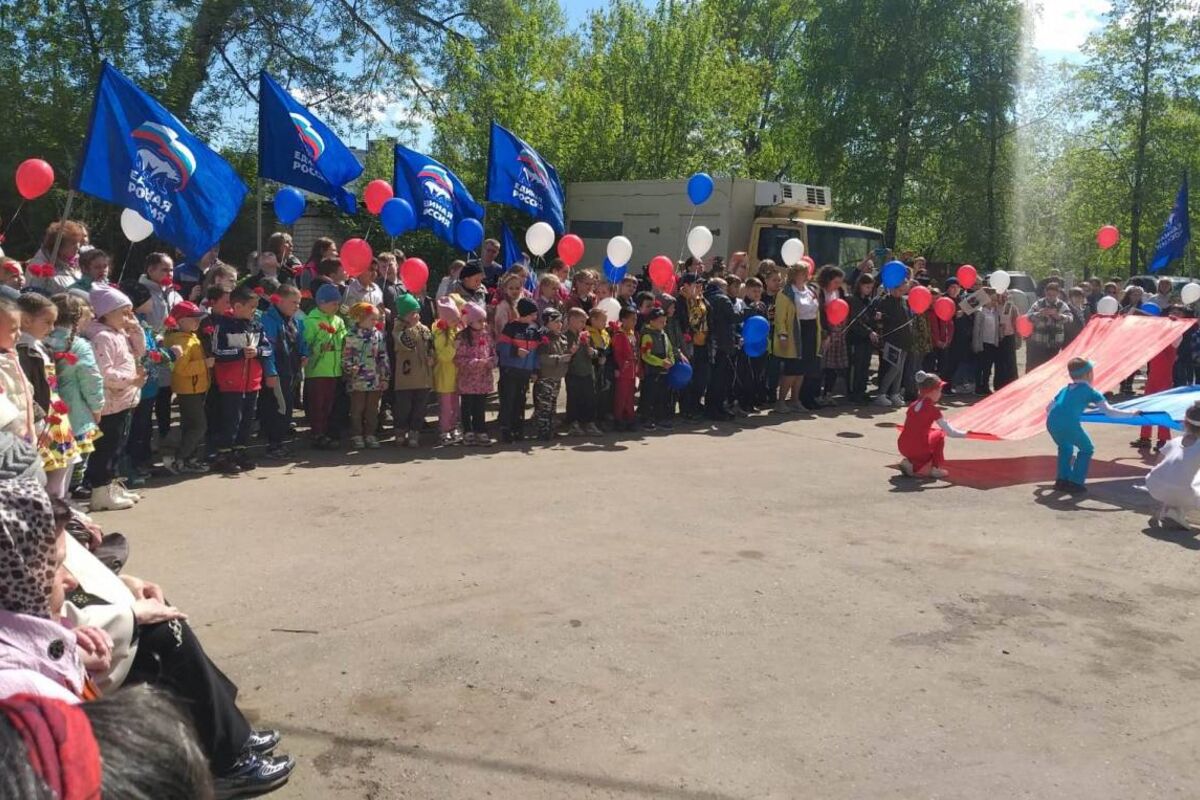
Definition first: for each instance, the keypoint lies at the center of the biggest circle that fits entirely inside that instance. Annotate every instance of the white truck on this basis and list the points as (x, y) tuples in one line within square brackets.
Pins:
[(743, 214)]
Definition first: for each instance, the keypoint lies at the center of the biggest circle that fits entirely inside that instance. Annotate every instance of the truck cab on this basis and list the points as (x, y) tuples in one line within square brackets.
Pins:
[(791, 210)]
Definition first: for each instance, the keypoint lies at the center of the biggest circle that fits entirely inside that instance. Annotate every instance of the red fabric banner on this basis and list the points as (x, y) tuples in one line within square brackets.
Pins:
[(1116, 345)]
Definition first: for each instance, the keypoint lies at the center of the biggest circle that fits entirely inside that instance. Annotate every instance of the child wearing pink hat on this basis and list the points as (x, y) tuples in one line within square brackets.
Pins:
[(474, 358)]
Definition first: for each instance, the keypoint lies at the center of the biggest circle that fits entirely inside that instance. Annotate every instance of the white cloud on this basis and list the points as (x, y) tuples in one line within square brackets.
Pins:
[(1061, 26)]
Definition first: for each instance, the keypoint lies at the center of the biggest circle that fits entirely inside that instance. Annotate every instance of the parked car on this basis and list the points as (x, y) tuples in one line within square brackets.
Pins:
[(1149, 283), (1022, 289)]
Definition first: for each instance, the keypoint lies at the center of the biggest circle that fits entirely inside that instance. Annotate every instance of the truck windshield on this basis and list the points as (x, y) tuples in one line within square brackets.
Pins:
[(826, 244), (841, 246)]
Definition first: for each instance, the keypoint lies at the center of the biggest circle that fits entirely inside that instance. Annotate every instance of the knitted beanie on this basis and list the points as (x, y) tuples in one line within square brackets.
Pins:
[(525, 307), (106, 299), (328, 293), (406, 304), (473, 312)]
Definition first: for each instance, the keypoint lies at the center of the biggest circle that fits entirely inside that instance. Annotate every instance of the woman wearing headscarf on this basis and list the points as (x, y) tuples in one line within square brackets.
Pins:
[(153, 644), (37, 654)]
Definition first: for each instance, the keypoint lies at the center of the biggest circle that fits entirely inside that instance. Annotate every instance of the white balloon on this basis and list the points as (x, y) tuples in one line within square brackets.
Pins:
[(135, 226), (540, 238), (792, 251), (1000, 280), (1107, 306), (1190, 293), (620, 250), (611, 308), (699, 241)]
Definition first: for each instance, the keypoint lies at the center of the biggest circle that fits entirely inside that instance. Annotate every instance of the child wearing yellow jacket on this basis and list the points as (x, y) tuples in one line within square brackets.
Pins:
[(189, 381), (445, 374)]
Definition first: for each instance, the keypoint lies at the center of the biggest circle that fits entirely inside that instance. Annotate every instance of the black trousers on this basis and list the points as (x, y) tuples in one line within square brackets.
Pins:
[(774, 367), (170, 656), (473, 406), (162, 410), (693, 397), (652, 405), (720, 383), (514, 387), (581, 399), (141, 428), (860, 368), (110, 447), (237, 419), (276, 421), (984, 361)]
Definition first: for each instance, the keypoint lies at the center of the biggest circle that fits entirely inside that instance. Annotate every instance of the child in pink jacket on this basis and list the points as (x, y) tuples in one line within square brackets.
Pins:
[(119, 344), (475, 358)]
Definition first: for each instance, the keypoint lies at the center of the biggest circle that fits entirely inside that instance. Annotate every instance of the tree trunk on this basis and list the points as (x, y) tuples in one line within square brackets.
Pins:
[(1139, 164), (989, 253), (190, 72), (895, 189)]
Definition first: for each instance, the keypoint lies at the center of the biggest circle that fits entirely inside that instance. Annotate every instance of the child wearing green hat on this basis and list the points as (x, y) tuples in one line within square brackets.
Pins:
[(325, 335), (413, 377)]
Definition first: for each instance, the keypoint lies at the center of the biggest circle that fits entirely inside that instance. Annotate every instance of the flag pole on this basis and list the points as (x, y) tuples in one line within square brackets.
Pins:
[(58, 239), (258, 215)]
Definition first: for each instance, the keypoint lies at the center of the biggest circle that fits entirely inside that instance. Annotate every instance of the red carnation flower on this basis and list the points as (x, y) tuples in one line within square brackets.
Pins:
[(260, 291), (177, 287), (167, 283), (71, 358), (53, 419), (441, 325), (306, 294), (657, 304), (207, 330), (545, 340), (170, 322), (275, 298), (60, 406), (646, 346), (584, 338), (155, 356), (687, 338), (52, 381), (379, 325)]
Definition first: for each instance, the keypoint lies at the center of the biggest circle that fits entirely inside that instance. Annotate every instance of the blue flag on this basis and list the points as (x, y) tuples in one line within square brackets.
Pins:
[(518, 177), (436, 195), (296, 148), (1166, 409), (512, 254), (139, 156), (1176, 233)]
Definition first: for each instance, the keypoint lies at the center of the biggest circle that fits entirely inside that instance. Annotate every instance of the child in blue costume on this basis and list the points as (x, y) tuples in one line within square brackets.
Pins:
[(1063, 423)]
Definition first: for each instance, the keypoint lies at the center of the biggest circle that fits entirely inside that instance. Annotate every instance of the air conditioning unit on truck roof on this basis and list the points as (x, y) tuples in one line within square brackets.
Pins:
[(799, 196)]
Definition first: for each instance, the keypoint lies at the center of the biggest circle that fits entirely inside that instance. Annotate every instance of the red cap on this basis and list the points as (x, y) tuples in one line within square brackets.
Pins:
[(186, 309)]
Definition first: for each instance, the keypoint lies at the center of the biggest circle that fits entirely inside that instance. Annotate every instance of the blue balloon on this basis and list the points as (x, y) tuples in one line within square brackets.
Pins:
[(679, 376), (893, 274), (469, 234), (754, 349), (1151, 308), (699, 188), (289, 205), (755, 330), (613, 274), (397, 216)]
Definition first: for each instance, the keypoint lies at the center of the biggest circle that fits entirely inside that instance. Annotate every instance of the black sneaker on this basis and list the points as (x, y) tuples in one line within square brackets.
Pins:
[(262, 743), (244, 462), (277, 452), (253, 774), (1060, 485), (1075, 488), (226, 465)]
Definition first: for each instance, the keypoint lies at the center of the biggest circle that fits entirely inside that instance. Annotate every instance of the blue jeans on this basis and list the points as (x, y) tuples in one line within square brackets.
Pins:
[(1072, 465)]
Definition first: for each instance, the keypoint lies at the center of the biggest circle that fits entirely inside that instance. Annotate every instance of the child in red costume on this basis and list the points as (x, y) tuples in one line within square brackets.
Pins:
[(923, 445), (625, 358), (1160, 376)]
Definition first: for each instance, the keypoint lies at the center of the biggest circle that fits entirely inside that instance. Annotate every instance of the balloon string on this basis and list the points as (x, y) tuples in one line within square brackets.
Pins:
[(369, 228), (683, 246), (8, 224)]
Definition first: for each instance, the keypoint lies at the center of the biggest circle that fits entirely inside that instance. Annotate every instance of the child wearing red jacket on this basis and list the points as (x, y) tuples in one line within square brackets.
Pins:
[(923, 445), (1160, 376), (625, 358)]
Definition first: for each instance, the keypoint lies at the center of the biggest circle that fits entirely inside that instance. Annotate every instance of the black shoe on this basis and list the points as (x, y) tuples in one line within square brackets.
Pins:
[(720, 416), (253, 774), (649, 426), (81, 493), (277, 452), (244, 461), (262, 743), (1075, 488), (667, 426), (506, 437), (226, 465), (1060, 485)]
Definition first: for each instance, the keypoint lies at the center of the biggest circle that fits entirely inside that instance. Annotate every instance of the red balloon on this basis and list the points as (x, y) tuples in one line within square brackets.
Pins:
[(662, 269), (1108, 236), (570, 249), (807, 261), (1024, 326), (415, 274), (376, 194), (967, 275), (671, 284), (356, 257), (919, 299), (34, 178), (943, 309), (837, 311)]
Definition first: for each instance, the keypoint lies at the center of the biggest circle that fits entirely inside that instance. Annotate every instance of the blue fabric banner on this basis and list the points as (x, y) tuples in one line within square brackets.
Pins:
[(519, 177), (512, 254), (139, 156), (438, 197), (1176, 233), (1164, 408), (296, 148)]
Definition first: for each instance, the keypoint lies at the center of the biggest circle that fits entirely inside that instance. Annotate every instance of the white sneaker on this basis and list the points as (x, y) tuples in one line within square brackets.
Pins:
[(371, 442), (413, 439), (119, 490), (357, 443), (594, 430), (883, 401), (171, 464), (898, 401), (939, 473), (457, 435), (105, 498), (906, 468)]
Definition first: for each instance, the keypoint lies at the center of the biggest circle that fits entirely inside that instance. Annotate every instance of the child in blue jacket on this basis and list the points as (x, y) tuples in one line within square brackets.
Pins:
[(283, 327), (517, 352)]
